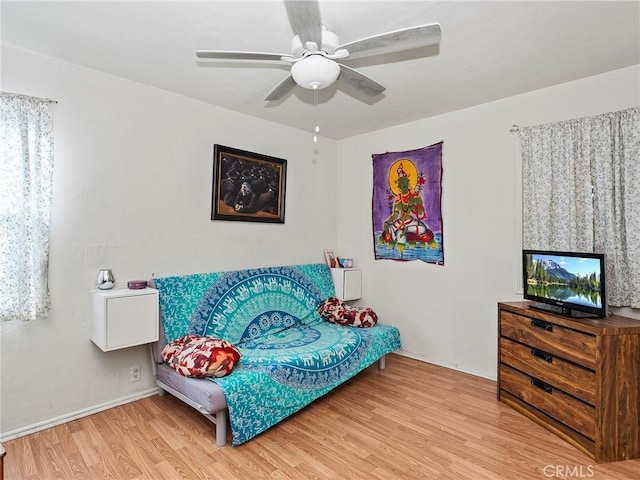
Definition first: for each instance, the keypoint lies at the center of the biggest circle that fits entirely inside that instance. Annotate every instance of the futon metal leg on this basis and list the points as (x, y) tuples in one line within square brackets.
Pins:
[(221, 428), (382, 362)]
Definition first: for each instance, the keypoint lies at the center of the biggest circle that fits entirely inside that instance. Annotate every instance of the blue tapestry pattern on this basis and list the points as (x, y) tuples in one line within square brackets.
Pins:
[(290, 355), (249, 294)]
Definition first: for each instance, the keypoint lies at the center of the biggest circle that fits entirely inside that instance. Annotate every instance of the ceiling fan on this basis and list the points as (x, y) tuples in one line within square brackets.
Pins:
[(316, 52)]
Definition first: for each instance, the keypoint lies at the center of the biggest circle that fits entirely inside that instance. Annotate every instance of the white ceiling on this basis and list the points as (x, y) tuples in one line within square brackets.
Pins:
[(489, 50)]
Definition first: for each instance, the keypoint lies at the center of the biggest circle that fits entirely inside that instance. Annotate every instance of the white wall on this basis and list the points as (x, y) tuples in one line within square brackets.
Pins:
[(447, 314), (132, 192)]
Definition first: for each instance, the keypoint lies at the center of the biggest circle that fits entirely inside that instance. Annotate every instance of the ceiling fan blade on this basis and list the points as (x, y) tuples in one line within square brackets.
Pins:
[(281, 89), (231, 55), (304, 16), (406, 39), (360, 81)]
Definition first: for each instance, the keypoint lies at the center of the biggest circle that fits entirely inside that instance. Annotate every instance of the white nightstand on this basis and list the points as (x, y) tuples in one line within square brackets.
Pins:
[(347, 283), (123, 317)]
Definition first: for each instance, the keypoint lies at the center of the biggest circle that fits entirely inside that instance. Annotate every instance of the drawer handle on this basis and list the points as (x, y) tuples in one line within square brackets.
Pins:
[(540, 324), (541, 385), (540, 354)]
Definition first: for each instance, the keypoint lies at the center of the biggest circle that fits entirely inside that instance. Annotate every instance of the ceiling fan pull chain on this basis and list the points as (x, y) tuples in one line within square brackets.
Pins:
[(315, 114)]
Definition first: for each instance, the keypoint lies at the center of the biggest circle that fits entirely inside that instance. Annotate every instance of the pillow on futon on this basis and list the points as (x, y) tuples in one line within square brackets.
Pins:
[(196, 356), (336, 311)]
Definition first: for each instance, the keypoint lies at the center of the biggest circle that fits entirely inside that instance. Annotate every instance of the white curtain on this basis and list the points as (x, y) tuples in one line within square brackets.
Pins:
[(581, 192), (26, 149)]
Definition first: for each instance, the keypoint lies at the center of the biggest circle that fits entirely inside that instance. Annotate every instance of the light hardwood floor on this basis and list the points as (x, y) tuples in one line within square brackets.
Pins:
[(412, 420)]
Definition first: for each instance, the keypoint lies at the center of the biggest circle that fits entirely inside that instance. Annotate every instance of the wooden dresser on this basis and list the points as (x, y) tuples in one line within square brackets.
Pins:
[(579, 378)]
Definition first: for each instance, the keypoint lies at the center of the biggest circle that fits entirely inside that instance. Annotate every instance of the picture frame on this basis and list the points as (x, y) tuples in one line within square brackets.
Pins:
[(247, 186), (330, 258)]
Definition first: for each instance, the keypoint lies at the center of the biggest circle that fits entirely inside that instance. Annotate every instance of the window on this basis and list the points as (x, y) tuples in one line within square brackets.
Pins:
[(581, 191), (26, 147)]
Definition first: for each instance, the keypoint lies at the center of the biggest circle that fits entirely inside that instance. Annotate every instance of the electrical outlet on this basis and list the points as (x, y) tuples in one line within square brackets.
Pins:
[(135, 373)]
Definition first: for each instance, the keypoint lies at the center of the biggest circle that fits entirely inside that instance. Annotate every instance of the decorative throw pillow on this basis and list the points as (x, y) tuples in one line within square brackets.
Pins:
[(337, 311), (196, 356)]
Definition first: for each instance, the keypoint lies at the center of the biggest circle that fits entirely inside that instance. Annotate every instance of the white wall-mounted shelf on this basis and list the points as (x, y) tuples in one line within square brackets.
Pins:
[(347, 283), (123, 317)]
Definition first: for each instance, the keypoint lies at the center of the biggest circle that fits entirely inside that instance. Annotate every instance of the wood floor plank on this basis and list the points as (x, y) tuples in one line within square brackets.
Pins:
[(115, 458), (23, 461), (412, 420), (41, 453), (87, 450), (181, 468)]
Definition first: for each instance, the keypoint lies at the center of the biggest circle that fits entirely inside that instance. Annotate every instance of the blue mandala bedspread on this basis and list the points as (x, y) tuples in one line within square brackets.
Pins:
[(290, 354)]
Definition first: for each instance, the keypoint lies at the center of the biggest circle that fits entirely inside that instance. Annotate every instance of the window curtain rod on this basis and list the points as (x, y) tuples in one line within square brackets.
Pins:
[(516, 128), (29, 96)]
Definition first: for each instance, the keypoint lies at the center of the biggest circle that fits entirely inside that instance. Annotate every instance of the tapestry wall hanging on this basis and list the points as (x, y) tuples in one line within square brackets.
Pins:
[(406, 206)]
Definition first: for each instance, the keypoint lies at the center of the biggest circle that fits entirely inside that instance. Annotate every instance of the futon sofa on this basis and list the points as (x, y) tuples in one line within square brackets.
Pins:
[(290, 355)]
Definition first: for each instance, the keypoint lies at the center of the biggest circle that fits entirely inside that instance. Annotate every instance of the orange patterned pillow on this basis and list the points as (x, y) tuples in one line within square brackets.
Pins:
[(196, 356)]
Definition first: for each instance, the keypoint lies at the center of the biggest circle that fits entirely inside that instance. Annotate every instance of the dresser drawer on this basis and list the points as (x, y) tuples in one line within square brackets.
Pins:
[(569, 344), (577, 381), (572, 412)]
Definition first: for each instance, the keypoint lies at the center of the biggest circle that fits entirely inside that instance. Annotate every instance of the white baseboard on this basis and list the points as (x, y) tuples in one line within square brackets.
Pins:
[(52, 422), (424, 359)]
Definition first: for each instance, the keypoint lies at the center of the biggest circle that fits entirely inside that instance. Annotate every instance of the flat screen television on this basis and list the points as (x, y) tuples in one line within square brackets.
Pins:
[(568, 283)]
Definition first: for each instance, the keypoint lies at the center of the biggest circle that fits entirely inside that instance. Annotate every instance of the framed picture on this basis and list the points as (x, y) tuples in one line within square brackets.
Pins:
[(247, 187), (330, 258)]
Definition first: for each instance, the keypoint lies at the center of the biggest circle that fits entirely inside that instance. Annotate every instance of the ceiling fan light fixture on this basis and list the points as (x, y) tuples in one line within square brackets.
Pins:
[(315, 72)]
